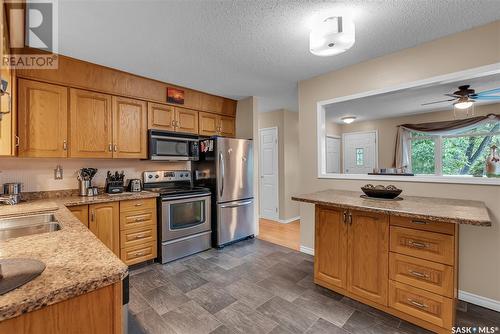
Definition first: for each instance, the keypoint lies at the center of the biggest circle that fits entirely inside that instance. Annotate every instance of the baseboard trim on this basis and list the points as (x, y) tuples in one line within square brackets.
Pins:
[(307, 250), (286, 221), (479, 300)]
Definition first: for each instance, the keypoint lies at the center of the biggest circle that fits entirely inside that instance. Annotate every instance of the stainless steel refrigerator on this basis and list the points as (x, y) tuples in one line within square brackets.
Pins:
[(226, 167)]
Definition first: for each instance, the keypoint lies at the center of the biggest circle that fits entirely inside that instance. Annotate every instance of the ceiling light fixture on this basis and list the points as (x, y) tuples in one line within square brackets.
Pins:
[(348, 119), (332, 36), (463, 103)]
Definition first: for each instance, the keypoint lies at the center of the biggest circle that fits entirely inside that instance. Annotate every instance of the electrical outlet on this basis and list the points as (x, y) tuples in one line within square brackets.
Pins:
[(58, 173)]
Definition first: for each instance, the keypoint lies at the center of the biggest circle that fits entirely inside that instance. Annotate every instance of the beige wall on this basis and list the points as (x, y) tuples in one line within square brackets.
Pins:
[(479, 246), (37, 174), (387, 128), (288, 143)]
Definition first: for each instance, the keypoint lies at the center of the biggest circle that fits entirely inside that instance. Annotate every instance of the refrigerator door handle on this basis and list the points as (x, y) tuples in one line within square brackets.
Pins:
[(222, 172), (237, 204)]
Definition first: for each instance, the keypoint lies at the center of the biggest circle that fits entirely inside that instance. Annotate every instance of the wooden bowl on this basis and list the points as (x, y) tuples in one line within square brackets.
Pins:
[(389, 192)]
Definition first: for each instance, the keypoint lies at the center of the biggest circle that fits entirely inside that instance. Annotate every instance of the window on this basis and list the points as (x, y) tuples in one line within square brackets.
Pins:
[(463, 153)]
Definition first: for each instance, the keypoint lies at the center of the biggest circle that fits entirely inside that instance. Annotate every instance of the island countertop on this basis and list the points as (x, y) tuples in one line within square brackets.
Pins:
[(76, 261), (428, 208)]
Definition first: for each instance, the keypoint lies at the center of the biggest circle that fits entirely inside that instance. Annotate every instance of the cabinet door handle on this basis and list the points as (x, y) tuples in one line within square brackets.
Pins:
[(17, 141), (416, 244), (173, 123), (110, 147), (115, 148), (92, 216), (350, 218), (416, 303), (418, 274), (65, 145), (344, 217)]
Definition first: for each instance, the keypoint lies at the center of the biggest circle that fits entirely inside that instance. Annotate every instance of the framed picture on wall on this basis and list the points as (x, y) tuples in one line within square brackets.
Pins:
[(175, 95)]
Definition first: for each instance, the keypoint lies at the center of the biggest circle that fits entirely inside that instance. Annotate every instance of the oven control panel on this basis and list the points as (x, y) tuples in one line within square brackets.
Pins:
[(166, 176)]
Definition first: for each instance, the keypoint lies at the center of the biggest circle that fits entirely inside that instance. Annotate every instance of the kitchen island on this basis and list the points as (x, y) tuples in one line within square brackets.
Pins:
[(81, 286), (398, 256)]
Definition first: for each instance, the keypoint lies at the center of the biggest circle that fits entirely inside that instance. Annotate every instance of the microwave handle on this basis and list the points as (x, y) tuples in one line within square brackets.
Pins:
[(221, 162), (174, 138)]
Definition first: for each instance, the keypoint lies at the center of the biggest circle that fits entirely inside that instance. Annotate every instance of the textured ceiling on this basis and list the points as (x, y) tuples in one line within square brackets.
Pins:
[(244, 48), (408, 101)]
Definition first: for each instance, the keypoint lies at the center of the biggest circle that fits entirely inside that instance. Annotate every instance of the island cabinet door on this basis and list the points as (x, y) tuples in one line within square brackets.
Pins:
[(104, 222), (330, 263), (368, 245)]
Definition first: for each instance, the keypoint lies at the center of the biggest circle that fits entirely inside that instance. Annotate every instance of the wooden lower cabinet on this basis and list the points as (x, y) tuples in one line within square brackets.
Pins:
[(99, 311), (104, 223), (82, 213), (330, 262), (128, 228), (369, 257)]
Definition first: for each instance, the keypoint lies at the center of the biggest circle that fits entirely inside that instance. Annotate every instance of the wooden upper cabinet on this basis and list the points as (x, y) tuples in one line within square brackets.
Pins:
[(209, 124), (186, 120), (368, 258), (330, 263), (229, 107), (42, 112), (129, 128), (161, 116), (211, 103), (104, 222), (91, 120), (227, 126)]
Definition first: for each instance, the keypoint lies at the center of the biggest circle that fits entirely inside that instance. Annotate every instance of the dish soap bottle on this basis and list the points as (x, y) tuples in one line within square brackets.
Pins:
[(493, 163)]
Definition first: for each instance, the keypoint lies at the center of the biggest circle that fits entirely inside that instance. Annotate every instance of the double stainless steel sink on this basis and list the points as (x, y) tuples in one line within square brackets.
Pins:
[(20, 226)]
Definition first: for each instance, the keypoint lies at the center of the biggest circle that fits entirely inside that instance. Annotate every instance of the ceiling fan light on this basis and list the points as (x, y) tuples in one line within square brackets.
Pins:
[(332, 36), (348, 119), (463, 104)]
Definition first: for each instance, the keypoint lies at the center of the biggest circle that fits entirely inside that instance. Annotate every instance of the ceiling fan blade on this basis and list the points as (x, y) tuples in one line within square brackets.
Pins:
[(453, 95), (487, 98), (425, 104), (488, 92)]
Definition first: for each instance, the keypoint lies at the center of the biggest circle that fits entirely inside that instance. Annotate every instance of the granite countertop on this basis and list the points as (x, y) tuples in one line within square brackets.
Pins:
[(429, 208), (76, 261)]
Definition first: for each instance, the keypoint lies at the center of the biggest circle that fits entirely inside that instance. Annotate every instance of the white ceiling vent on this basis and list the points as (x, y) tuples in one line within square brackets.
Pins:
[(332, 36)]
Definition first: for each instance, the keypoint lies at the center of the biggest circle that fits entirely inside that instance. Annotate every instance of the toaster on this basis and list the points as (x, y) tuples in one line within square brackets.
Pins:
[(134, 185)]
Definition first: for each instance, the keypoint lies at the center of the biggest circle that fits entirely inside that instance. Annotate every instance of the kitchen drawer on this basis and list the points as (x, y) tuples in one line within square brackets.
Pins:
[(135, 204), (423, 274), (422, 304), (138, 218), (422, 224), (137, 236), (139, 253), (426, 245)]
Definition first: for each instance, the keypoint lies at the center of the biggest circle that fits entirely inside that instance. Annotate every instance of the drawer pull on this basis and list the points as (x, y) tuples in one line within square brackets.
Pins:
[(138, 220), (418, 274), (139, 253), (416, 244), (138, 204), (140, 236), (419, 222), (417, 304)]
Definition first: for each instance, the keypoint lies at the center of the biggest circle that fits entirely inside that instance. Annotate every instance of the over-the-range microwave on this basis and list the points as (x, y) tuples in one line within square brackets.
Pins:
[(172, 146)]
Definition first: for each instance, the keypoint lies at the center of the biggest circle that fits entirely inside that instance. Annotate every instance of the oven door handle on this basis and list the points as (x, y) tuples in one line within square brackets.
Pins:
[(222, 172), (174, 198), (236, 205)]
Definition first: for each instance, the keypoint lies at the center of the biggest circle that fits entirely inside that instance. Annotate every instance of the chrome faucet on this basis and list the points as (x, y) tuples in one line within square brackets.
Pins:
[(7, 200)]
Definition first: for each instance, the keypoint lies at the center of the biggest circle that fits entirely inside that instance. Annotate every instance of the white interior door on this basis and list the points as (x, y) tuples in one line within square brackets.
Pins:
[(332, 154), (360, 152), (268, 147)]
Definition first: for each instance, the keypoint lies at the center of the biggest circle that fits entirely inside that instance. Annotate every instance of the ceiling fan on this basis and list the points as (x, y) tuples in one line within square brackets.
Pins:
[(466, 96)]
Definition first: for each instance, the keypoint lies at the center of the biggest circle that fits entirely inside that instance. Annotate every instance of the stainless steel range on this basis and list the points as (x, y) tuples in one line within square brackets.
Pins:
[(184, 214)]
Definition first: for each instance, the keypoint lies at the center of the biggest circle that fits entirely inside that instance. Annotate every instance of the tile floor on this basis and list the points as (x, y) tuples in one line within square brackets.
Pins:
[(256, 287)]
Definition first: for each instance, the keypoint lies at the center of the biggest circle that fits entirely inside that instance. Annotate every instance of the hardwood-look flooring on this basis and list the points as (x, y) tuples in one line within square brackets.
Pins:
[(287, 235), (256, 287)]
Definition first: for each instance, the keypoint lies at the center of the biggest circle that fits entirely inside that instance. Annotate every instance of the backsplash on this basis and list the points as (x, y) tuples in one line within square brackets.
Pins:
[(38, 174)]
